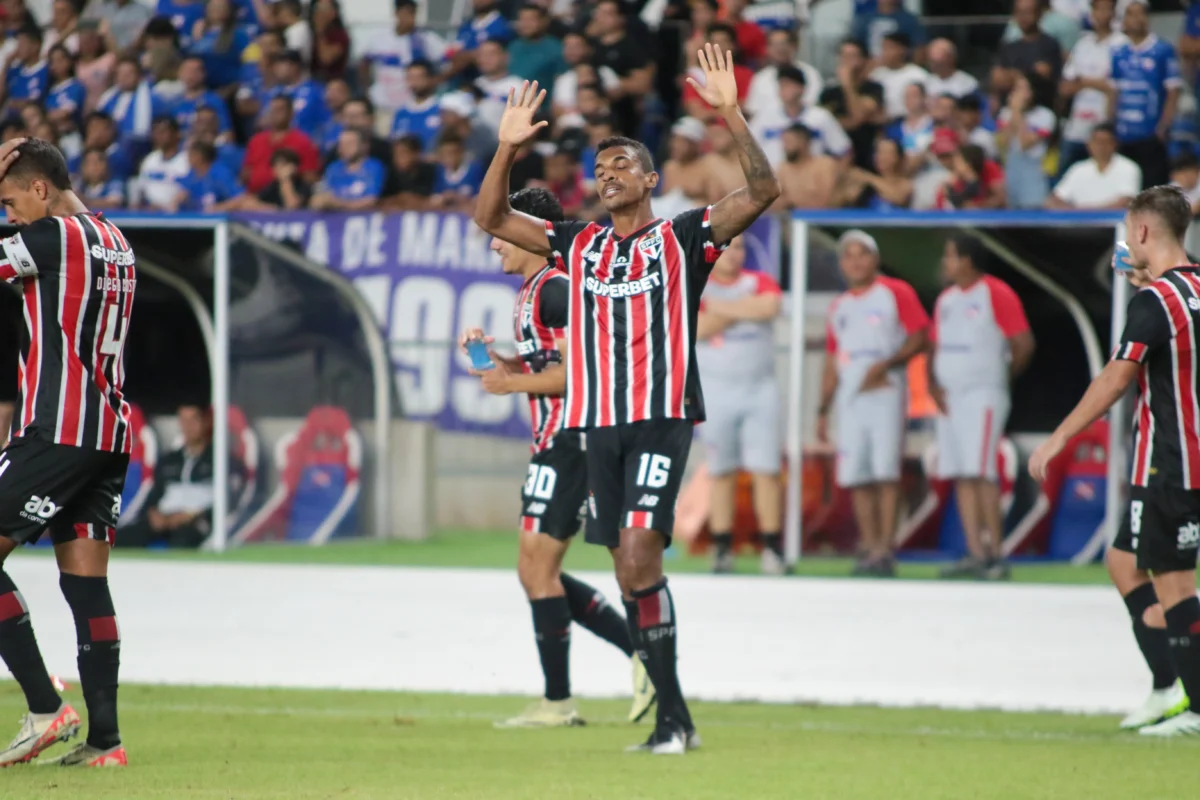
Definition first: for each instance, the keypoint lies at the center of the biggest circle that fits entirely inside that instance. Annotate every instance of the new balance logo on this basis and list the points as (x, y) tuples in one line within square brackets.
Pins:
[(535, 509), (40, 509), (1189, 536), (648, 501)]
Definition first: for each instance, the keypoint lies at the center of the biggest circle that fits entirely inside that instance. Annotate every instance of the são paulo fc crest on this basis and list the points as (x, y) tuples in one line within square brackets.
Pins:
[(527, 315), (652, 246)]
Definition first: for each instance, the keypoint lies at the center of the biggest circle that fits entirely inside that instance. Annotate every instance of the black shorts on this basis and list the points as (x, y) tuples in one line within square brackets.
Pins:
[(634, 473), (1164, 528), (73, 491), (1124, 540), (10, 344), (552, 499)]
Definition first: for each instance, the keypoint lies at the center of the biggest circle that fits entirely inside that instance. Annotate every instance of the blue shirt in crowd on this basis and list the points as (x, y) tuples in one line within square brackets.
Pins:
[(183, 16), (465, 180), (422, 120), (476, 31), (110, 190), (205, 191), (28, 82), (309, 112), (67, 95), (222, 67), (184, 109), (1143, 74), (354, 183), (231, 156), (133, 112), (871, 28), (120, 165)]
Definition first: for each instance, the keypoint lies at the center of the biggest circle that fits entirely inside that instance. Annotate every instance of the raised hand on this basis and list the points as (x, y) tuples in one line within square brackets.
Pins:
[(8, 154), (719, 89), (517, 125)]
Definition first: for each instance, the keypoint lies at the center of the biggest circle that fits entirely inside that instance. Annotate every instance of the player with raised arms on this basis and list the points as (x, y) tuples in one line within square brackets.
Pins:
[(632, 382)]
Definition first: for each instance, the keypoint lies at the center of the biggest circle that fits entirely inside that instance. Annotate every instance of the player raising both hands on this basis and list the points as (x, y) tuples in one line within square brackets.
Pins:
[(632, 383)]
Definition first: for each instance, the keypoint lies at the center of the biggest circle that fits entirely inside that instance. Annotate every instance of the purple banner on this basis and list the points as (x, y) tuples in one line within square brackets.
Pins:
[(427, 276)]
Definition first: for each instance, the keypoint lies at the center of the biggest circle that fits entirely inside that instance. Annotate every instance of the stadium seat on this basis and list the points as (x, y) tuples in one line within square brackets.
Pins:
[(1081, 503), (317, 496), (139, 478)]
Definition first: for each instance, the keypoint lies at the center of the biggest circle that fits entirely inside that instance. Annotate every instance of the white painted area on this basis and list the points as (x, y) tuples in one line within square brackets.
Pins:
[(778, 640)]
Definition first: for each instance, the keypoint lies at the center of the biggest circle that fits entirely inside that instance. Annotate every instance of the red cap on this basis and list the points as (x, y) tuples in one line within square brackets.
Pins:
[(945, 141)]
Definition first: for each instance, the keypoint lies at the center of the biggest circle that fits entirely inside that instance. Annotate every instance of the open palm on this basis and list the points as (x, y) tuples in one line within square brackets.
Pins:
[(517, 125), (720, 88)]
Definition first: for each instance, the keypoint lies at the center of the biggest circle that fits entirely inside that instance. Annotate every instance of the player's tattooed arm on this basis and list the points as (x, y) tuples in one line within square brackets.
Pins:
[(737, 211)]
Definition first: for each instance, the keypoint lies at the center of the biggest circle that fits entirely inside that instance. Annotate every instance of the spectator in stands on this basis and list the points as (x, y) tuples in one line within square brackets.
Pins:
[(941, 110), (1033, 52), (1144, 94), (577, 55), (331, 41), (257, 172), (100, 133), (828, 136), (308, 96), (95, 64), (590, 100), (458, 177), (358, 113), (722, 37), (806, 180), (67, 96), (183, 16), (889, 17), (914, 130), (1189, 43), (1023, 134), (384, 64), (28, 77), (288, 190), (968, 123), (158, 178), (1086, 82), (219, 41), (258, 78), (1105, 180), (685, 183), (420, 115), (337, 94), (564, 179), (888, 188), (975, 181), (486, 24), (1063, 28), (1185, 173), (195, 96), (458, 117), (206, 127), (528, 167), (536, 55), (856, 101), (723, 161), (751, 40), (297, 34), (209, 185), (628, 57), (63, 28), (945, 78), (96, 186), (178, 511), (783, 47), (130, 104), (895, 73), (494, 82), (355, 180), (700, 14), (735, 349), (415, 177), (122, 21)]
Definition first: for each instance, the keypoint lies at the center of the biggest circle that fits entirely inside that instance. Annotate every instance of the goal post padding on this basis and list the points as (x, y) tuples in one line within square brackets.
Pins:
[(1058, 263)]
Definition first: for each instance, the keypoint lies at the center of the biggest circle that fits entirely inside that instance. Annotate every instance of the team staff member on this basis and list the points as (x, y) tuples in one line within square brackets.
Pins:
[(556, 487), (736, 353), (981, 342), (874, 329), (1158, 350)]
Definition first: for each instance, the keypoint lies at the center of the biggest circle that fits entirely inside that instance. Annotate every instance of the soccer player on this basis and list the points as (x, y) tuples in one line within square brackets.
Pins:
[(64, 469), (632, 383), (1158, 349), (981, 340), (555, 490)]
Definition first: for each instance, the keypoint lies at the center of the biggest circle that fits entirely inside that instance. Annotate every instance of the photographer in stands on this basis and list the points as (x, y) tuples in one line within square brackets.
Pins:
[(179, 509)]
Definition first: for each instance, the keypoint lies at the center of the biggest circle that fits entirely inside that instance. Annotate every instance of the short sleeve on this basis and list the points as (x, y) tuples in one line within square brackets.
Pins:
[(553, 298), (1007, 309), (1147, 327), (562, 235), (1066, 189), (1171, 76), (766, 284), (908, 307), (694, 233)]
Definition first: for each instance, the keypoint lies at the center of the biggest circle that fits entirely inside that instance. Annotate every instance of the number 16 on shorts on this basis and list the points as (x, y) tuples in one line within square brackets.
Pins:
[(653, 471)]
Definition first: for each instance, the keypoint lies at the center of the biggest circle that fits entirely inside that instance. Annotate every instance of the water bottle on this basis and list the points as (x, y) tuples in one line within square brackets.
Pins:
[(1122, 260)]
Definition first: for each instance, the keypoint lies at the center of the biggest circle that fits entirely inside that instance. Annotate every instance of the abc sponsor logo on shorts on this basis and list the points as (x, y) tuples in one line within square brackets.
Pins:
[(40, 509), (1189, 536)]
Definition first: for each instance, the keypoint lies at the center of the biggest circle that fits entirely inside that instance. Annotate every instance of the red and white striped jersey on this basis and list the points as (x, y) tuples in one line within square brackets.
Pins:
[(539, 320), (1161, 334), (632, 331), (78, 281)]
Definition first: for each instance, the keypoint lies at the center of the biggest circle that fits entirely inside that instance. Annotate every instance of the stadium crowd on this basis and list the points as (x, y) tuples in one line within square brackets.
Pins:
[(257, 105)]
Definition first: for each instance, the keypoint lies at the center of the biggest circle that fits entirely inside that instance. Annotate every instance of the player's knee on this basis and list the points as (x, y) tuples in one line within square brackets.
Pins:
[(1153, 617), (642, 561)]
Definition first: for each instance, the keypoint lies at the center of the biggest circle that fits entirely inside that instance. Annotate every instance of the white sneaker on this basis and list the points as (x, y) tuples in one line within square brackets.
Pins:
[(1161, 704), (664, 744), (1185, 724), (772, 563)]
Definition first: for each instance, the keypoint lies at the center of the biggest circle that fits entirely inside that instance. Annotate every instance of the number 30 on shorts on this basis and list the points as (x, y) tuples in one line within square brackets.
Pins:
[(540, 483), (653, 471)]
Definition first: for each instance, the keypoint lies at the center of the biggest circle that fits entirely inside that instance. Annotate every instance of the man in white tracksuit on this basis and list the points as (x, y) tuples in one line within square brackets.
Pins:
[(873, 330), (981, 340)]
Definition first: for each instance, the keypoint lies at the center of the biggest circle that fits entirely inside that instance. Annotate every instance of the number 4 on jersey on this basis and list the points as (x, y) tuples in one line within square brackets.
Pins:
[(113, 334)]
